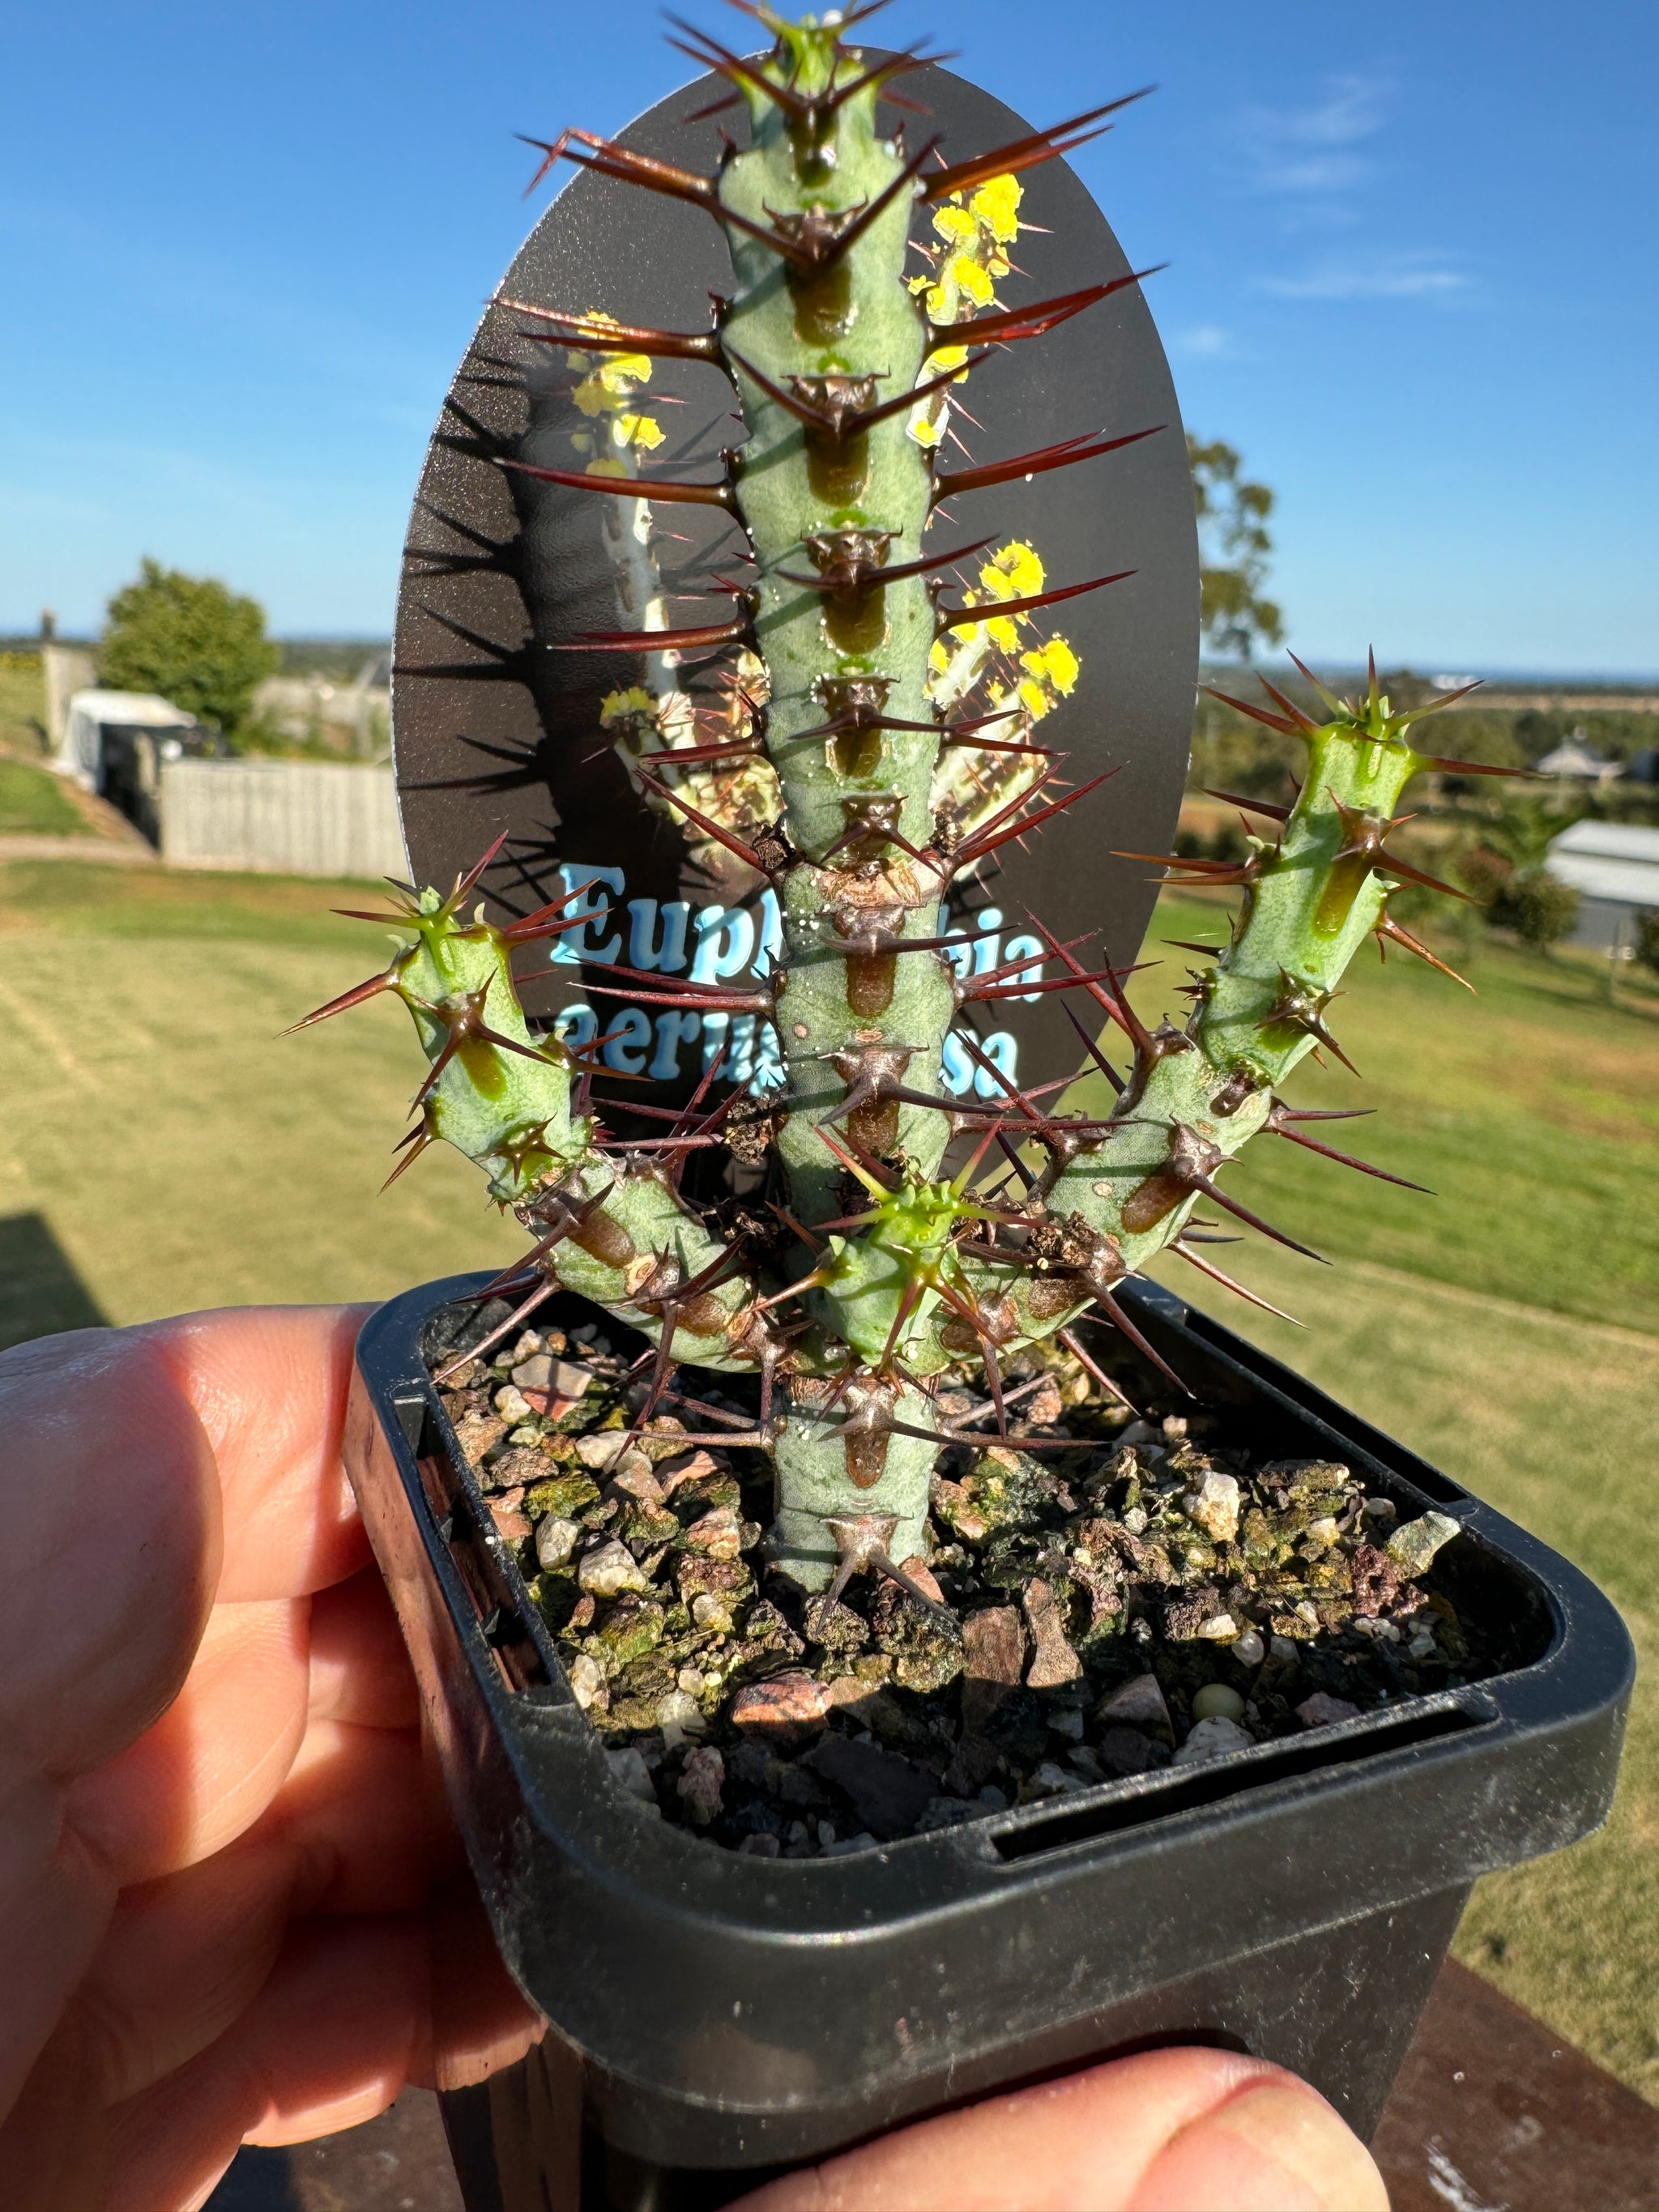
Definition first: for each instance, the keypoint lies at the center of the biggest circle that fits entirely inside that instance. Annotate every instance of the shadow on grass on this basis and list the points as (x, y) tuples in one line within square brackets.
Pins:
[(40, 1289)]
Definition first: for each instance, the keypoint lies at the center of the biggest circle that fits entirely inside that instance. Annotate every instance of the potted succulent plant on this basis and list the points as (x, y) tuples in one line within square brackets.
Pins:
[(877, 1648)]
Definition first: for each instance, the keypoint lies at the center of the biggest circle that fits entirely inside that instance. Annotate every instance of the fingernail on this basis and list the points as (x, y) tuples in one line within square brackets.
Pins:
[(1296, 2130)]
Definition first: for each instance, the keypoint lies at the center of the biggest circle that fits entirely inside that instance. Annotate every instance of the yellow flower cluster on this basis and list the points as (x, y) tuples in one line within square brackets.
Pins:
[(1048, 671), (608, 390), (970, 264)]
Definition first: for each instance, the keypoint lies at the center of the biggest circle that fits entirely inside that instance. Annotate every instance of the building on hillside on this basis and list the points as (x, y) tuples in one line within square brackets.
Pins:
[(1614, 868), (81, 750), (1573, 758)]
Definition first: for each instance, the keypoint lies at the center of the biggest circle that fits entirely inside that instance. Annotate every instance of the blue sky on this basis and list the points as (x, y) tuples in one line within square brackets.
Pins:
[(1413, 258)]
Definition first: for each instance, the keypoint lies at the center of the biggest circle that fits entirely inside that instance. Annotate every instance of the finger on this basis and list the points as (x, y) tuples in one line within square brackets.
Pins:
[(270, 1385), (1147, 2134), (360, 1669), (110, 1502), (339, 2027), (211, 1765), (353, 1830), (111, 1499), (364, 1804), (185, 1957)]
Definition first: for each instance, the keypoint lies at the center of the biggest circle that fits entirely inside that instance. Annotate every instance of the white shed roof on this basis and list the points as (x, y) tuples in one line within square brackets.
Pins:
[(79, 753), (1615, 861)]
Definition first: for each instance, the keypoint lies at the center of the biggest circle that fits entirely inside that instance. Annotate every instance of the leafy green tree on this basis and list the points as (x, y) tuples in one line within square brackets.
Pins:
[(1234, 546), (189, 638), (1539, 907)]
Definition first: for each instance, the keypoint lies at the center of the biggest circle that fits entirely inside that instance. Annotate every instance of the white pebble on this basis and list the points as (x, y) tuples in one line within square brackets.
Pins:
[(1069, 1723), (610, 1569), (587, 1682), (1249, 1650), (629, 1768), (1217, 1701), (1219, 1628), (690, 1680), (1212, 1739), (1214, 1505), (511, 1403), (555, 1539), (1422, 1645), (678, 1716), (1283, 1648)]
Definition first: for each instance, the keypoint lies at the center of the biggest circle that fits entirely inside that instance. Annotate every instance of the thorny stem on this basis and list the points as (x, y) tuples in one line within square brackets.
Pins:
[(901, 1276)]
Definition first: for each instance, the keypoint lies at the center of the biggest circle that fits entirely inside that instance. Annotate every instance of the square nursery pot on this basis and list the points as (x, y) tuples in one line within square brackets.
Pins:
[(711, 2018)]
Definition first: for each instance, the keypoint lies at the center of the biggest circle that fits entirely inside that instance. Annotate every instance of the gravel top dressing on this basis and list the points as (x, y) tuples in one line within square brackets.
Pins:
[(1148, 1594)]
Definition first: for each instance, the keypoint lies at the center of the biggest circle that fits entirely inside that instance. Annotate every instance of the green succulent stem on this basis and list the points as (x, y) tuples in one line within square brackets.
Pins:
[(901, 1277)]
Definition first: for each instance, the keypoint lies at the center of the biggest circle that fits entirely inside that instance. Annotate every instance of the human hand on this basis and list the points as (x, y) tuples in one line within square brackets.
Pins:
[(217, 1840)]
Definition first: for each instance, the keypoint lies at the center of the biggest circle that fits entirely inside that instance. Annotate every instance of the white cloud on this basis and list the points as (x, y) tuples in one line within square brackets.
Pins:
[(1208, 340), (1405, 275), (1312, 153)]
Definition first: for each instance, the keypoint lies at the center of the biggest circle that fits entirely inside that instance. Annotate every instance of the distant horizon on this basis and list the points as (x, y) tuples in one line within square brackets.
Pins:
[(19, 638)]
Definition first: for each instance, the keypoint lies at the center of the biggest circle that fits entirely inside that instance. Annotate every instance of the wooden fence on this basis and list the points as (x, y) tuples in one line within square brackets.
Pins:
[(281, 817)]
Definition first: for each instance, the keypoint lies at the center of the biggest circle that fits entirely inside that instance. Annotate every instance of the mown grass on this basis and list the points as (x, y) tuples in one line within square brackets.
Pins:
[(1531, 1109), (35, 804), (22, 706), (181, 1151), (161, 1148)]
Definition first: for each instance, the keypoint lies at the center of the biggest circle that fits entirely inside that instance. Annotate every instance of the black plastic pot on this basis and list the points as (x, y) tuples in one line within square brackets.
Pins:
[(714, 2017)]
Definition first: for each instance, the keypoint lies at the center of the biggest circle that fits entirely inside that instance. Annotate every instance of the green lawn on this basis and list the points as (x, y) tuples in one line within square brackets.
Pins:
[(22, 706), (161, 1147), (35, 804)]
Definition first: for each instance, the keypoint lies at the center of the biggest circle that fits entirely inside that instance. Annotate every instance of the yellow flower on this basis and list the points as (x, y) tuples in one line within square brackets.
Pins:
[(944, 357), (1014, 573), (928, 428), (605, 466), (1032, 696), (641, 432), (1002, 632), (1054, 663), (623, 369), (591, 395), (938, 657), (997, 206), (635, 704), (970, 280), (954, 225)]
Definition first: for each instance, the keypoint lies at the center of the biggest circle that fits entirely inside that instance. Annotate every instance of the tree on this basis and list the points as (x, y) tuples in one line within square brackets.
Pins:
[(192, 639), (1234, 545)]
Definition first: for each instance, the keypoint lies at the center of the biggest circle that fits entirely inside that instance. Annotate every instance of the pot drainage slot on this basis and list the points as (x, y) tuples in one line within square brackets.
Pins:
[(1213, 1784)]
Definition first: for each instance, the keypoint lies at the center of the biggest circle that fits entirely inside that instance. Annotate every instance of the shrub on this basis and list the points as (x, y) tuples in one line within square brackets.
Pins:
[(189, 638)]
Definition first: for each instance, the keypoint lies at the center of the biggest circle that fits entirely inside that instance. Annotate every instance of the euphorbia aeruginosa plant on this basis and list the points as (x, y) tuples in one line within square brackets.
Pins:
[(875, 1270)]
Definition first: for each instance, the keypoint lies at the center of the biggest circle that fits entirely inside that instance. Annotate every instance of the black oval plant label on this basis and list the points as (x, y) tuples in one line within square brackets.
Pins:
[(507, 720)]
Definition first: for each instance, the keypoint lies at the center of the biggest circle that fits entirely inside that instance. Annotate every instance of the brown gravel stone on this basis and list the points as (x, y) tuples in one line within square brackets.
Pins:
[(1054, 1662), (477, 1433), (1141, 1704), (1322, 1710), (692, 1467), (994, 1653), (785, 1705)]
